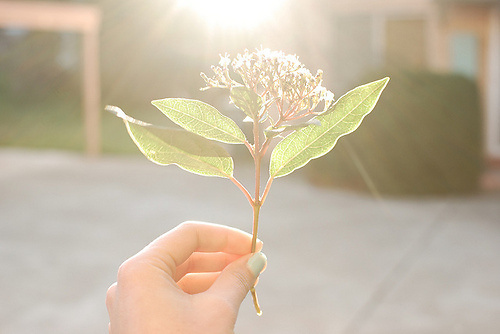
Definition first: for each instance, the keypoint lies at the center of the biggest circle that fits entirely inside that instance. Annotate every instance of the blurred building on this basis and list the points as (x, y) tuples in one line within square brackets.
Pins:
[(65, 19), (459, 36), (150, 49)]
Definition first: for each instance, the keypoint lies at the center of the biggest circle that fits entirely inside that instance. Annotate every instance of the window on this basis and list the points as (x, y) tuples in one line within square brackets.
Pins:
[(464, 54)]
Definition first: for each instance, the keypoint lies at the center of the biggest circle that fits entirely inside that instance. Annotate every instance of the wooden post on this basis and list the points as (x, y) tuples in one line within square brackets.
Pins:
[(91, 93), (82, 18)]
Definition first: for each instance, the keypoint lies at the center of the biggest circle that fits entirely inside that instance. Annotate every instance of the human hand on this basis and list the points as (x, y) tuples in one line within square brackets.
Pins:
[(192, 279)]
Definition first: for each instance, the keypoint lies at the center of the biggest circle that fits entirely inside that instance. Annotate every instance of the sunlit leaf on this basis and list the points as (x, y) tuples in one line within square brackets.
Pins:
[(187, 150), (201, 118), (314, 141), (247, 100)]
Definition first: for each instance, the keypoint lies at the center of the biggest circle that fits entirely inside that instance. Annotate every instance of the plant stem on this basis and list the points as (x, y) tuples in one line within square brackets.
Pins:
[(257, 156), (256, 301), (256, 201), (256, 210)]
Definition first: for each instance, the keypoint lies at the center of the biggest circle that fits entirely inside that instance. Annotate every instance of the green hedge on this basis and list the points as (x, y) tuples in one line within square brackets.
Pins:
[(423, 138)]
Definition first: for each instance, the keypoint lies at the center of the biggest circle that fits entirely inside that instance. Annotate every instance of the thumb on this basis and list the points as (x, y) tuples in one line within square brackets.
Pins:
[(238, 278)]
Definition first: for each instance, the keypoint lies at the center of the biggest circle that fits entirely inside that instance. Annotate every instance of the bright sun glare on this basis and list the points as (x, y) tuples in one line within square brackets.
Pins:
[(239, 14)]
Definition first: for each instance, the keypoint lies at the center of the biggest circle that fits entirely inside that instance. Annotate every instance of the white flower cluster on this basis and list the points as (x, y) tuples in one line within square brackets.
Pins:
[(276, 77)]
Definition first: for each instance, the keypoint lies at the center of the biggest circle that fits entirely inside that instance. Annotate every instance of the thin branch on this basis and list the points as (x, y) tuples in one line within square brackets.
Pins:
[(243, 189), (266, 190), (309, 113), (250, 148), (257, 160), (265, 146)]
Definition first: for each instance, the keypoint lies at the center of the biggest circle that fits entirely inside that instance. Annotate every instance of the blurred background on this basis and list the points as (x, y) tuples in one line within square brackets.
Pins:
[(416, 188), (438, 123)]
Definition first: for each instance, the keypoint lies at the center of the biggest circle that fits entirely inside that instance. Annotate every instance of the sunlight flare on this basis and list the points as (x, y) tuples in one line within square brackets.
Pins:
[(237, 14)]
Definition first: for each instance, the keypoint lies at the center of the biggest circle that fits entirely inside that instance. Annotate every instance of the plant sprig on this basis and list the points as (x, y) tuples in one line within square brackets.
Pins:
[(282, 100)]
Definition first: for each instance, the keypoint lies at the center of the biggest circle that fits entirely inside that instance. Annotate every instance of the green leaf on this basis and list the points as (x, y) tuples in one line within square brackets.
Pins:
[(187, 150), (247, 100), (314, 141), (201, 118)]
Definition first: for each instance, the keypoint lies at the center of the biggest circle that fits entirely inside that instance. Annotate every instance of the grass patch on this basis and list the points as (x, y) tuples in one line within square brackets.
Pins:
[(56, 123)]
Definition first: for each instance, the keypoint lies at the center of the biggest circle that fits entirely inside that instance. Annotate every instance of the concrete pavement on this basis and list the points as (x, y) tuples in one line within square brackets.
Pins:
[(339, 262)]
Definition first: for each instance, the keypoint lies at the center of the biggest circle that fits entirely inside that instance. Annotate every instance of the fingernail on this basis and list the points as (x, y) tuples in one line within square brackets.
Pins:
[(257, 263)]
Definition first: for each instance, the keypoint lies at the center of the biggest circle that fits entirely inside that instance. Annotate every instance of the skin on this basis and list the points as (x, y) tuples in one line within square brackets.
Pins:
[(192, 279)]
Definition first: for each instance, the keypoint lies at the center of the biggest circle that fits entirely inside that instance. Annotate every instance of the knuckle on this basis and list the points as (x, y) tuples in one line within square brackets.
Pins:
[(189, 224), (128, 270), (111, 290), (187, 227), (110, 295)]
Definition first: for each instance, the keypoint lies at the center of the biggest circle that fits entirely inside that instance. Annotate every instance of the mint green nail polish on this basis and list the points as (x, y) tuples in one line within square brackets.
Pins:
[(257, 263)]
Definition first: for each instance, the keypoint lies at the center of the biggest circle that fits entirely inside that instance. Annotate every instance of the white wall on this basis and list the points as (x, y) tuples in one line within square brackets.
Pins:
[(493, 89)]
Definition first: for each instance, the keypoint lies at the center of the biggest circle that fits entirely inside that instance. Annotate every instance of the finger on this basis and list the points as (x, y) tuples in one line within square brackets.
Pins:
[(110, 297), (177, 245), (204, 262), (236, 279), (198, 282)]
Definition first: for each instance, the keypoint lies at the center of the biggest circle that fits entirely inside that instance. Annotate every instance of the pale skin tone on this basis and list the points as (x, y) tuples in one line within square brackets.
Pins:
[(192, 279)]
